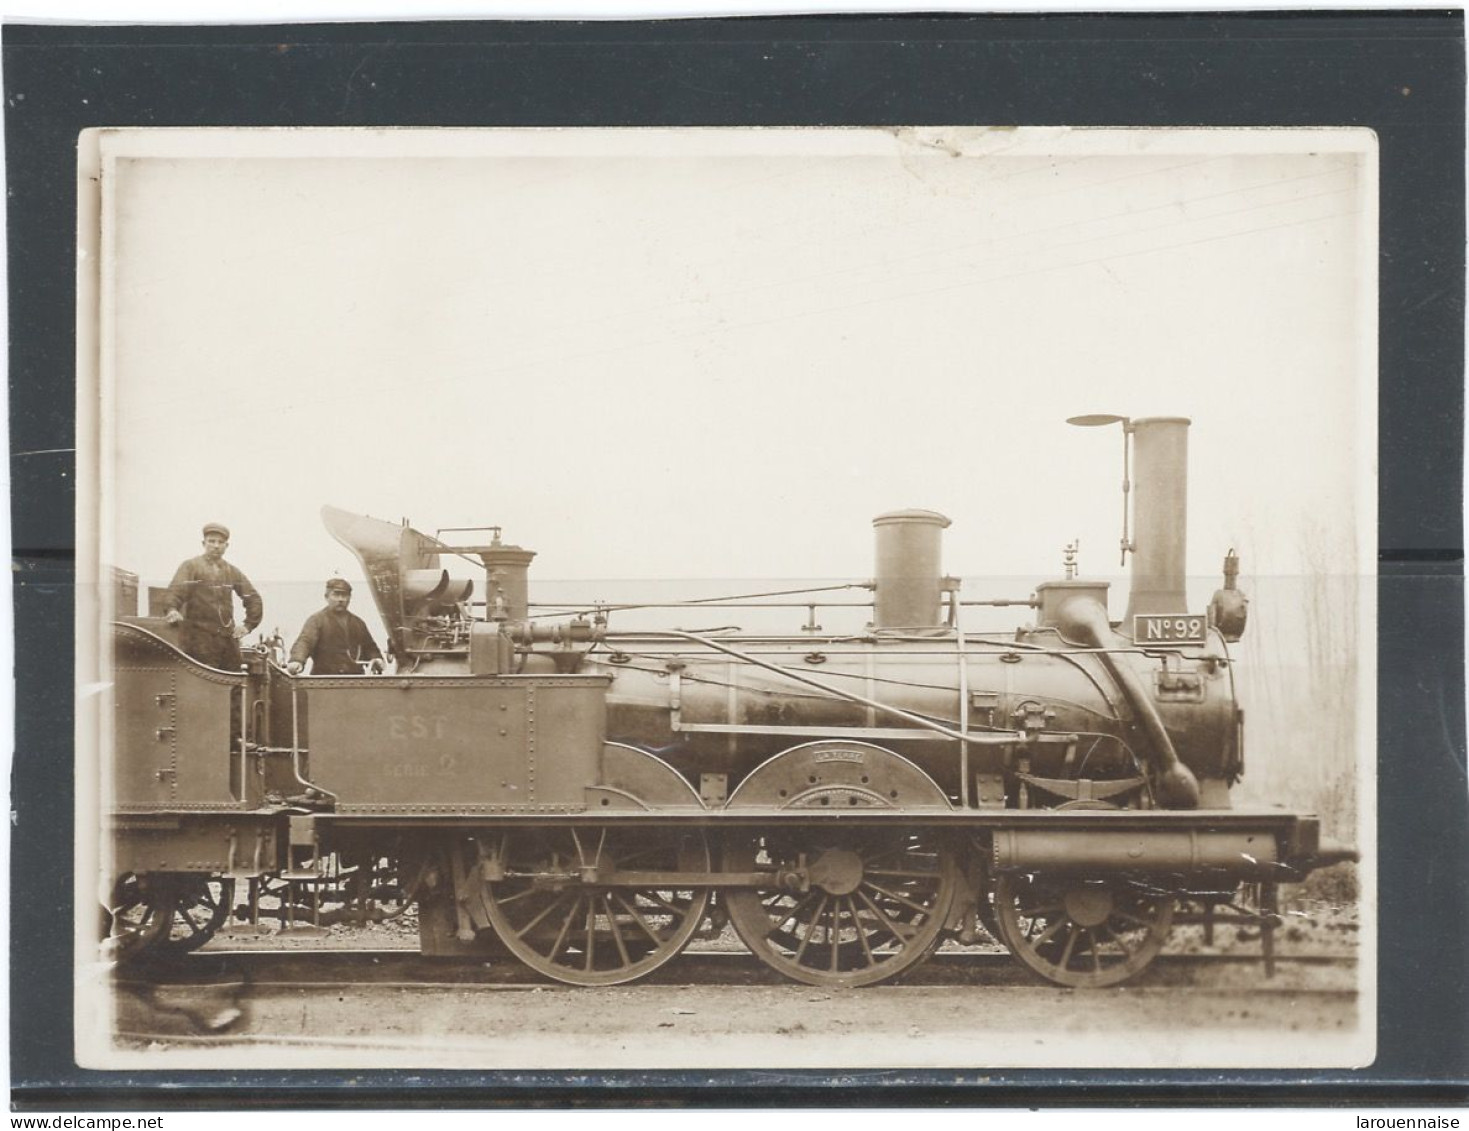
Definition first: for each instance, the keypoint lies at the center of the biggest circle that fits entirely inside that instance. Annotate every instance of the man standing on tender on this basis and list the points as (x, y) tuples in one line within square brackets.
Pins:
[(201, 599)]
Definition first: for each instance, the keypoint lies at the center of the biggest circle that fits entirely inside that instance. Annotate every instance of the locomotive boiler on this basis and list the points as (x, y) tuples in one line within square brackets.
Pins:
[(590, 796)]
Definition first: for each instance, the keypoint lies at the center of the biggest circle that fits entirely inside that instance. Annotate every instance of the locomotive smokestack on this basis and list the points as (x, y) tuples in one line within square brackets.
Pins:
[(909, 580), (1160, 515)]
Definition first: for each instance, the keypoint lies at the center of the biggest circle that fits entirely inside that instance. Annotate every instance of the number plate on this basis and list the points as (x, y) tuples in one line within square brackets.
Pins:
[(1150, 628)]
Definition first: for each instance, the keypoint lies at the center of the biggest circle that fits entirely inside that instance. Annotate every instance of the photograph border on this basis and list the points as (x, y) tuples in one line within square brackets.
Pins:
[(1399, 75)]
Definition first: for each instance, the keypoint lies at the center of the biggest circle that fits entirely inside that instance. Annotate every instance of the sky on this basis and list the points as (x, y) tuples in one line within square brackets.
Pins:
[(718, 354)]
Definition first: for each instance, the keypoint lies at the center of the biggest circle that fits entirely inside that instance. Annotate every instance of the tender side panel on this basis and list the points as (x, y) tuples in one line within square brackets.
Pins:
[(239, 845), (450, 745), (171, 743), (145, 744)]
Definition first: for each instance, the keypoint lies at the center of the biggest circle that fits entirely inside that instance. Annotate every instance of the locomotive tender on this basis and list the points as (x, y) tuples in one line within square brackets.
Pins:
[(592, 798)]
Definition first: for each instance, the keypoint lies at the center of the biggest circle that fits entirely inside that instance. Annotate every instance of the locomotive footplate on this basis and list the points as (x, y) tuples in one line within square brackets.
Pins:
[(1271, 821), (1262, 844)]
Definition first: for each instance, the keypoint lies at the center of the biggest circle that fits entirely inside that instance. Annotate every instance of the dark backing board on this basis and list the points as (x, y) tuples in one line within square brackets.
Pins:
[(1401, 74)]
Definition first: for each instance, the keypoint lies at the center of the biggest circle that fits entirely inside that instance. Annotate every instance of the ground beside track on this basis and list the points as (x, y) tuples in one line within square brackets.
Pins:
[(710, 1008), (524, 1026)]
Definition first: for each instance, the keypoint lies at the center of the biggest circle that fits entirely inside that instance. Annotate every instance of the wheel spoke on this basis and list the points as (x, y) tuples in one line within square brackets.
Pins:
[(810, 924), (186, 916), (892, 928), (671, 908), (534, 923), (795, 912), (861, 934), (565, 931), (638, 918), (528, 890), (616, 932), (1065, 963), (1120, 941), (896, 897), (1049, 932)]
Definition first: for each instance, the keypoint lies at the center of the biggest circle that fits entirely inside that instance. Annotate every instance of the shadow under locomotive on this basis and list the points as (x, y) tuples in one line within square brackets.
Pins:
[(592, 799)]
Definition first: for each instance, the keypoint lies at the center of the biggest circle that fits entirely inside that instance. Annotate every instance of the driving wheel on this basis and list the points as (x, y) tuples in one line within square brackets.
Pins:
[(555, 911), (560, 907), (847, 906)]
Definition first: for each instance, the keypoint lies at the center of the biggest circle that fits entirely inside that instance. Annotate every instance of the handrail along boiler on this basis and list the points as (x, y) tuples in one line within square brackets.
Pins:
[(592, 798)]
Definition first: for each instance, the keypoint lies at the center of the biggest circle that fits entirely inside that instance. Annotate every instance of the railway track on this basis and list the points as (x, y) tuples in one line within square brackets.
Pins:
[(399, 969)]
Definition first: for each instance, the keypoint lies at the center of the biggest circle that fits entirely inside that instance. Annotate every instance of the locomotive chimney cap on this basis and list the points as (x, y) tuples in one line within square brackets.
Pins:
[(1141, 420), (1096, 420), (912, 515)]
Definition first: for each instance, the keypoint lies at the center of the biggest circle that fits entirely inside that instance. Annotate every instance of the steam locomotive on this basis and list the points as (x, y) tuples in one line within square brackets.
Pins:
[(590, 798)]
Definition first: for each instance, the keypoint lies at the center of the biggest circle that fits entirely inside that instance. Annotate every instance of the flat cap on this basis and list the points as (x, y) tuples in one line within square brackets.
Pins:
[(340, 584), (217, 528)]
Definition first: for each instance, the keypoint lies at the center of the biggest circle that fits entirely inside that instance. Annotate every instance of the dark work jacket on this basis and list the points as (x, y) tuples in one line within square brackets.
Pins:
[(204, 591), (334, 642)]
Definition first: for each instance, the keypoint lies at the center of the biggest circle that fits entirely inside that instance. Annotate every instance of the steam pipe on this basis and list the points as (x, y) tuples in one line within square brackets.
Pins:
[(296, 745), (1177, 786)]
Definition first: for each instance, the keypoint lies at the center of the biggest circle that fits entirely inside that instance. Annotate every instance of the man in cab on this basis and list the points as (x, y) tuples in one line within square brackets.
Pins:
[(336, 641)]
